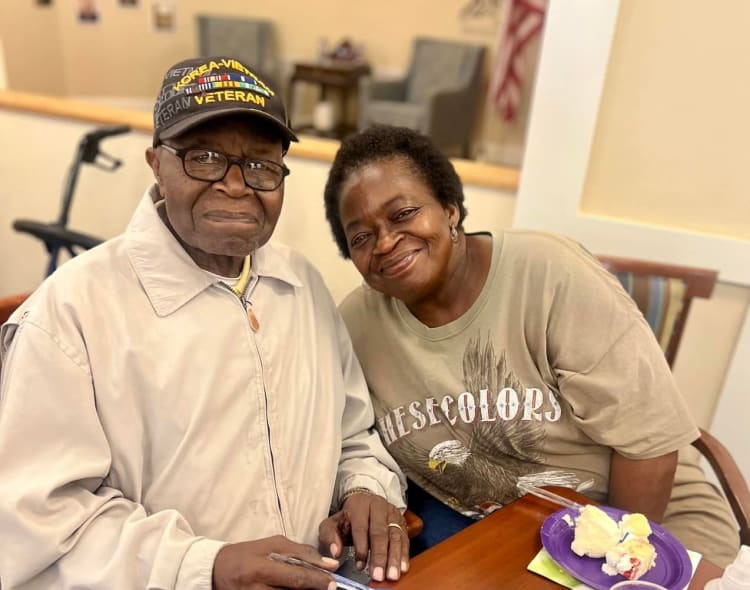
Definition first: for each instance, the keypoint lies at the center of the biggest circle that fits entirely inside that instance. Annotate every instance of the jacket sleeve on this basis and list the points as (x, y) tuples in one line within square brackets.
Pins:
[(364, 461), (62, 526)]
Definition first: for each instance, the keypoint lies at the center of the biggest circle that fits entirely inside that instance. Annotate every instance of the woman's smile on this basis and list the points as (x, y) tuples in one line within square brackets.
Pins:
[(397, 265)]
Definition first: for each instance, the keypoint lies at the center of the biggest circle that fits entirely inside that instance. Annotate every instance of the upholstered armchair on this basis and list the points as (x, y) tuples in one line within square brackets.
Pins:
[(663, 293), (438, 97), (249, 40)]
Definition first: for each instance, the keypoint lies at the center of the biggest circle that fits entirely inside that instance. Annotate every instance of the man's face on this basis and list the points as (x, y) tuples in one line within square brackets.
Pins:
[(224, 218)]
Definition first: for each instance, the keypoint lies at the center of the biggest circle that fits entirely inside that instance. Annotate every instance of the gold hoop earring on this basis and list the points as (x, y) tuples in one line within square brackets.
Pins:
[(454, 234)]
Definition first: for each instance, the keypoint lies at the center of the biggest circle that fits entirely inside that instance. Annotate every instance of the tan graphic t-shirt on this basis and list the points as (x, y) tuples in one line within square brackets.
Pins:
[(551, 368)]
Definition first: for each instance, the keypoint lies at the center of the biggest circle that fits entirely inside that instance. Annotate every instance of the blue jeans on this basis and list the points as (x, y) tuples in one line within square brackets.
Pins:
[(440, 521)]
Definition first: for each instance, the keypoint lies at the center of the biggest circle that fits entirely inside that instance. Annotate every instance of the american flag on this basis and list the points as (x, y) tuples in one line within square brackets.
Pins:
[(520, 21)]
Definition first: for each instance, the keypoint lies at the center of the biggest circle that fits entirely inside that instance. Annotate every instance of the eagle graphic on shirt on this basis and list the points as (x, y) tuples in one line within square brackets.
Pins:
[(478, 475)]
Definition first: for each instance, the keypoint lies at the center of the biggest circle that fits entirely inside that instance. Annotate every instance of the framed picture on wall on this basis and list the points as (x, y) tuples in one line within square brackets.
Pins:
[(44, 2), (480, 16), (88, 11), (163, 14), (129, 3)]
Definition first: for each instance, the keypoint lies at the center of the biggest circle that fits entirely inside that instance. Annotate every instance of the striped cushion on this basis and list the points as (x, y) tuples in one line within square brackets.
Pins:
[(660, 299)]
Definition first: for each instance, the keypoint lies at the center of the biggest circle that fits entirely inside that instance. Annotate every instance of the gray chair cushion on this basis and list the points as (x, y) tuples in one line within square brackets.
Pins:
[(401, 114), (441, 97), (440, 65), (249, 40)]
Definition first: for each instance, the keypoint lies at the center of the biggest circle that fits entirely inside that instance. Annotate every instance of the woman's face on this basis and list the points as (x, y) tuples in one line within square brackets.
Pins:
[(397, 231)]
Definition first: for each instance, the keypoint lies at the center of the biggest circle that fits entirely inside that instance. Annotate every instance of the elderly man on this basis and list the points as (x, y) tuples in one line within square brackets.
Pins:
[(183, 401)]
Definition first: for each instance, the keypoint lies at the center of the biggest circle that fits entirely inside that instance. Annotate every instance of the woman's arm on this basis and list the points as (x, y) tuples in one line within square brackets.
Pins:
[(642, 485)]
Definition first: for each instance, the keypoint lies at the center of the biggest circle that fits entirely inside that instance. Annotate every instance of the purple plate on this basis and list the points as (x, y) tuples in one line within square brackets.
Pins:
[(672, 570)]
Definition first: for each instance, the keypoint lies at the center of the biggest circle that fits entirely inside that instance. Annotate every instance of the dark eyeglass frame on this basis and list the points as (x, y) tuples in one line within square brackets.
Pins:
[(241, 162)]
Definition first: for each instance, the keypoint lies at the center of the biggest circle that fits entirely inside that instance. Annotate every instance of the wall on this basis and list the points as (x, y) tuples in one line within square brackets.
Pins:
[(299, 28), (670, 147), (37, 66), (122, 55), (615, 149)]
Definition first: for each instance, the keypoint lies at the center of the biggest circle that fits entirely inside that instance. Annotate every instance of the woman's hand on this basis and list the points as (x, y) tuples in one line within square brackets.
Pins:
[(375, 526), (247, 565)]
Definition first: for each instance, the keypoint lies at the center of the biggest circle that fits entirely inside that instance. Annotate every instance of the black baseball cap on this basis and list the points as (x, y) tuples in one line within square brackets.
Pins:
[(200, 89)]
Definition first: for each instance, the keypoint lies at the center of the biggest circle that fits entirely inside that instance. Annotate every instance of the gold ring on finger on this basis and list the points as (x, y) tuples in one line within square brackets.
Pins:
[(396, 525)]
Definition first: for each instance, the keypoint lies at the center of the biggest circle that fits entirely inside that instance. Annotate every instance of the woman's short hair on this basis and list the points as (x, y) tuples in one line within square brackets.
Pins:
[(385, 142)]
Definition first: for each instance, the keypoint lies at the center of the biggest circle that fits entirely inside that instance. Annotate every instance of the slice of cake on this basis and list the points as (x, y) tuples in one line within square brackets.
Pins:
[(630, 559), (595, 533), (634, 526)]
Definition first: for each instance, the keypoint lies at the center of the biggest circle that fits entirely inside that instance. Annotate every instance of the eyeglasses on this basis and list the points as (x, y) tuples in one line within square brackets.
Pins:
[(211, 166)]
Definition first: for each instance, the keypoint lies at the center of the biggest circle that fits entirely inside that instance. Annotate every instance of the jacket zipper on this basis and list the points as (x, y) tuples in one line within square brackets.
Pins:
[(265, 409)]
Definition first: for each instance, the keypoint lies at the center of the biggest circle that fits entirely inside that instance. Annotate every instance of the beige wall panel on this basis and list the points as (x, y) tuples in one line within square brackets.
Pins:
[(671, 141), (123, 55), (32, 189), (31, 44), (708, 343)]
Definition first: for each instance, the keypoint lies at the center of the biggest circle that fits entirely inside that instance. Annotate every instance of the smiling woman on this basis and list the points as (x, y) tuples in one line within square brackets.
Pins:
[(454, 325)]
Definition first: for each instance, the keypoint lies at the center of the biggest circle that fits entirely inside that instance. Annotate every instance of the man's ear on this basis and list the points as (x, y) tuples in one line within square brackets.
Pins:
[(152, 158)]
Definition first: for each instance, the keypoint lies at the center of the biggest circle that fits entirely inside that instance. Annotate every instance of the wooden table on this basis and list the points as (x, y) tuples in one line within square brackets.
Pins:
[(341, 74), (493, 553)]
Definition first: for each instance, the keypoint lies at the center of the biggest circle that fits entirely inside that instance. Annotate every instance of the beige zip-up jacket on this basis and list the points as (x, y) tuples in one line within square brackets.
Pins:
[(143, 424)]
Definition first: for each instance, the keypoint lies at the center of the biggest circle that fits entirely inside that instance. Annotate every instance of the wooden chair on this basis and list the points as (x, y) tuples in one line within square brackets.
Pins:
[(414, 524), (663, 293), (9, 304)]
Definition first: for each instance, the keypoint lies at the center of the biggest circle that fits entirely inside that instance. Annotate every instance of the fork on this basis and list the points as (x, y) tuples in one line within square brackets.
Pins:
[(547, 495)]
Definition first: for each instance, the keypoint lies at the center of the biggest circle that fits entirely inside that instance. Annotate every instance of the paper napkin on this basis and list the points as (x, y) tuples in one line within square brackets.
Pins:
[(545, 566)]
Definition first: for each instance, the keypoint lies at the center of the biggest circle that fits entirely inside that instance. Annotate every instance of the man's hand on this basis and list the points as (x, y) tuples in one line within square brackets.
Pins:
[(247, 565), (366, 517)]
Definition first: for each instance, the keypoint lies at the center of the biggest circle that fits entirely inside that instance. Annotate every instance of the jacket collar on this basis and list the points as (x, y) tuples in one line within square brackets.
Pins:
[(169, 275)]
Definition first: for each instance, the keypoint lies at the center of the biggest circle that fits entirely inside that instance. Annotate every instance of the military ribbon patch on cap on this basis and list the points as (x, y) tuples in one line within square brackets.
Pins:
[(223, 81)]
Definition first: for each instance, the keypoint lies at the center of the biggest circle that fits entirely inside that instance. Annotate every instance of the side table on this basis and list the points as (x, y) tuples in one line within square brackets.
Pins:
[(340, 74)]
